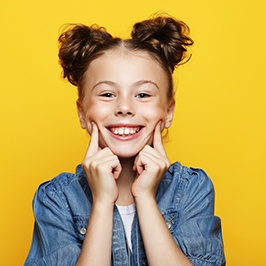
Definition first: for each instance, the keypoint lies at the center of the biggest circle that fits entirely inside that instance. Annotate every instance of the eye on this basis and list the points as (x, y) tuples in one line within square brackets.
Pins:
[(143, 95), (107, 95)]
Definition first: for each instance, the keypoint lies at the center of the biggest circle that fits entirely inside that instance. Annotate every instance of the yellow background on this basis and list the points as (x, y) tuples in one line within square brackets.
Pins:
[(219, 121)]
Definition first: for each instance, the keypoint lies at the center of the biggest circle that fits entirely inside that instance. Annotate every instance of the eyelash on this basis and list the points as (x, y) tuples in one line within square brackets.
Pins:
[(107, 95), (143, 95)]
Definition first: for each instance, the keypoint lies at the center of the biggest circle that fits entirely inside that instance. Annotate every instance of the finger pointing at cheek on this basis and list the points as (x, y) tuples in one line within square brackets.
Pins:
[(94, 141), (157, 140)]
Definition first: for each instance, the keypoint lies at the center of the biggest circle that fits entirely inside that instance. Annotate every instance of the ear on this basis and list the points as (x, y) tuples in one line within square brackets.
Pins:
[(170, 114), (81, 114)]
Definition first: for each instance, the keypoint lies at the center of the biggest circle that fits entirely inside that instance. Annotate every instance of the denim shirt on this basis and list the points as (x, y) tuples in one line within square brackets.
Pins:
[(185, 198)]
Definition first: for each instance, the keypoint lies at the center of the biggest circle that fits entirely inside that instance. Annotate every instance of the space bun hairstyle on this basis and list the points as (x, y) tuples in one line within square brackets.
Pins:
[(76, 45), (164, 38)]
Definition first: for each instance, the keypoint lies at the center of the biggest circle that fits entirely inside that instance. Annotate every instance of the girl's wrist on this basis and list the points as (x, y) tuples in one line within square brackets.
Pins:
[(145, 199), (102, 205)]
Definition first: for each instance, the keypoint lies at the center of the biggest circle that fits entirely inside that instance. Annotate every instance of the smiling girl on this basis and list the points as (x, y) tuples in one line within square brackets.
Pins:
[(126, 204)]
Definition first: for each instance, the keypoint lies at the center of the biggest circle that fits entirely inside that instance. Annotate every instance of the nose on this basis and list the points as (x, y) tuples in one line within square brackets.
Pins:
[(124, 107)]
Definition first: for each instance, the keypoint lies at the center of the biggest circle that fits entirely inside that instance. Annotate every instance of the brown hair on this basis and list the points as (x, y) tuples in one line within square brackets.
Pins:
[(163, 38)]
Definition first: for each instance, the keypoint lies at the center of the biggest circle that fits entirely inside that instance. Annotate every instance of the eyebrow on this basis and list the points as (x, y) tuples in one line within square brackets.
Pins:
[(141, 82), (135, 84)]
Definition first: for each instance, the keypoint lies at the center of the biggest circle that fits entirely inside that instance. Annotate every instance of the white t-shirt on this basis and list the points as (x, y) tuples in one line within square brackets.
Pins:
[(127, 214)]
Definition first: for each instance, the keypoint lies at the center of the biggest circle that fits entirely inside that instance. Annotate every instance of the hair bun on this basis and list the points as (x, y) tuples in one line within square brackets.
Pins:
[(167, 36), (76, 45)]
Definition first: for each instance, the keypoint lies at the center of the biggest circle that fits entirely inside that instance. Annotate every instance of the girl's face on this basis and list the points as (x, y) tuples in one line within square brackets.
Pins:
[(125, 94)]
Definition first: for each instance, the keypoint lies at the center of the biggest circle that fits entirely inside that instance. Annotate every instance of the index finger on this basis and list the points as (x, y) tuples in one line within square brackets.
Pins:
[(157, 140), (94, 141)]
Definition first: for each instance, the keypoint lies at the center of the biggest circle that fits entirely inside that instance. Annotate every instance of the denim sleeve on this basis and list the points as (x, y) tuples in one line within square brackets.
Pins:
[(198, 233), (54, 240)]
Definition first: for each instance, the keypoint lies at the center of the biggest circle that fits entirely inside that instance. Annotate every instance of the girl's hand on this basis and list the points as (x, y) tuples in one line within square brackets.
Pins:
[(102, 169), (150, 166)]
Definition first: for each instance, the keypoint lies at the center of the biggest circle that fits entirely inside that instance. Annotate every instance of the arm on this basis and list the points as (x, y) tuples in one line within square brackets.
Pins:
[(54, 238), (98, 239), (198, 232), (102, 168), (160, 247)]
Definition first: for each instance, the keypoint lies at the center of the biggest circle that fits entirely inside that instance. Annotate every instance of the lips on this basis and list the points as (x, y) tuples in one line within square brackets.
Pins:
[(125, 130)]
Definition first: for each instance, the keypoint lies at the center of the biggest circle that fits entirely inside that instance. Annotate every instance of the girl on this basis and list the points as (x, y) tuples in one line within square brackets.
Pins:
[(126, 205)]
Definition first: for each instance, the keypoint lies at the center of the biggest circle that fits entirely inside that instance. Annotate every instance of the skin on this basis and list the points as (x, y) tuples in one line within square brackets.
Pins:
[(126, 90)]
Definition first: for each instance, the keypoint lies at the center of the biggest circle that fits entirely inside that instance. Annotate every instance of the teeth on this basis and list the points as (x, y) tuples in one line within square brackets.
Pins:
[(124, 131)]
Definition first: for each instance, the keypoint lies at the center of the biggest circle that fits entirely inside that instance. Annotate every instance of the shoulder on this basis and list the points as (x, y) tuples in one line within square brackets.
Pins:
[(62, 188), (182, 184), (61, 182), (189, 173), (189, 176)]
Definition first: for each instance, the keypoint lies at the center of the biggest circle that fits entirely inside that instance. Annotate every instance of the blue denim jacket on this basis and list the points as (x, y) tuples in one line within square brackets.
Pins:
[(185, 197)]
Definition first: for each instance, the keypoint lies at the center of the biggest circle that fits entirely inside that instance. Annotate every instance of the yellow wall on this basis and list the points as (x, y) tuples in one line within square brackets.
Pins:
[(219, 121)]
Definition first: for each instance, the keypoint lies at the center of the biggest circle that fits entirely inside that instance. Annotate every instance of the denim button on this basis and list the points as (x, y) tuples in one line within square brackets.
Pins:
[(83, 230), (168, 224)]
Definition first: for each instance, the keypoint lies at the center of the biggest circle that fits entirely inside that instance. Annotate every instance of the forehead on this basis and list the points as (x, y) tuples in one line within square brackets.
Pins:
[(126, 66)]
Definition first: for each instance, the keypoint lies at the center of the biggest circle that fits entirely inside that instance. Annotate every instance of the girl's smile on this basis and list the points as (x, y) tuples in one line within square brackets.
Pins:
[(125, 132), (125, 95)]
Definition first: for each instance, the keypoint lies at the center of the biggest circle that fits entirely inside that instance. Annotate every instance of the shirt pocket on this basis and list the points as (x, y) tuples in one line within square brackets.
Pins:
[(80, 225), (170, 218)]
